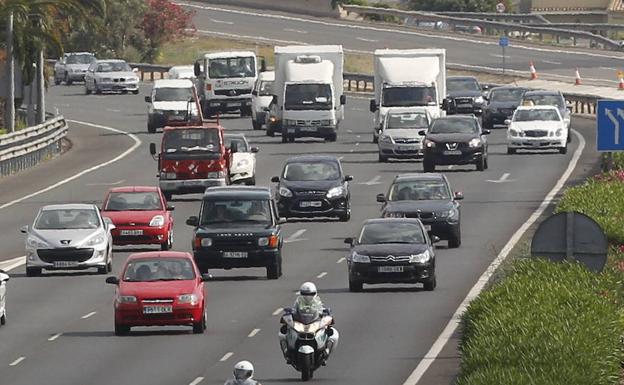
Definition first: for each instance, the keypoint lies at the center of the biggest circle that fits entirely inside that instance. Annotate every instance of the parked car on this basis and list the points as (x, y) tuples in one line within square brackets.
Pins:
[(181, 72), (111, 76), (464, 95), (238, 226), (501, 104), (141, 216), (313, 186), (69, 237), (4, 278), (392, 250), (159, 289), (428, 197), (400, 136), (549, 98), (261, 98), (171, 102), (456, 140), (243, 164), (72, 67), (537, 128)]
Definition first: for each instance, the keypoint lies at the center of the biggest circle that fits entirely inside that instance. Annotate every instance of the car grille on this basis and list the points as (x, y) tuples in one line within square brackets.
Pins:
[(406, 140), (119, 80), (233, 92), (64, 254), (421, 215), (234, 243), (307, 123), (389, 259), (536, 133), (310, 193), (463, 100), (452, 145)]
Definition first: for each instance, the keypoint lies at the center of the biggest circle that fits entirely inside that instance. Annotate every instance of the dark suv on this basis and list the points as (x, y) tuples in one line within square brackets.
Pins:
[(238, 227), (429, 198), (464, 95), (456, 139), (501, 104)]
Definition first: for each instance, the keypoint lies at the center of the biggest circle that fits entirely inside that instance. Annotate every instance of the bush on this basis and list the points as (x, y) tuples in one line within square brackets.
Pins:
[(618, 160)]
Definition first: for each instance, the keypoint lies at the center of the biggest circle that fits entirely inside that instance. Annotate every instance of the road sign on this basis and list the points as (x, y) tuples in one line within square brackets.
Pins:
[(500, 7), (503, 41), (610, 124)]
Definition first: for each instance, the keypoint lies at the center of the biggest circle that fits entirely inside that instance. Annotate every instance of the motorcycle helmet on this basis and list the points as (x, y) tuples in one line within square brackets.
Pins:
[(243, 370), (307, 291)]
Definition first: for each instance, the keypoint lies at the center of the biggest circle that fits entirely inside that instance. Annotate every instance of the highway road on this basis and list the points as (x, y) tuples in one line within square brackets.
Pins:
[(596, 67), (60, 326)]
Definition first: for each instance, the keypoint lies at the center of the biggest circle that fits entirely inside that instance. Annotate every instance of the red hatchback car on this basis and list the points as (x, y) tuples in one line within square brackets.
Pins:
[(159, 289), (141, 216)]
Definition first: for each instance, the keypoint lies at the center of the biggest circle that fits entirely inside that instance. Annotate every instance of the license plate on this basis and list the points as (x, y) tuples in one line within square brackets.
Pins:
[(131, 232), (428, 227), (407, 148), (452, 152), (308, 129), (237, 104), (390, 269), (234, 254), (157, 309), (311, 204), (65, 264), (291, 130)]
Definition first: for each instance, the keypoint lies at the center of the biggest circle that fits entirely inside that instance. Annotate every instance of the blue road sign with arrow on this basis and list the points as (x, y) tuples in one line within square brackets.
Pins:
[(503, 41), (610, 125)]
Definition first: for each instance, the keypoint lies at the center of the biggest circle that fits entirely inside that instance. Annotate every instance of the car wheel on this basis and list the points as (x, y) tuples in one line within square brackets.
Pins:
[(252, 181), (57, 81), (486, 165), (332, 137), (428, 166), (256, 125), (355, 286), (488, 125), (480, 163), (200, 327), (87, 90), (105, 269), (284, 138), (375, 138), (121, 330), (563, 150), (291, 139), (169, 244), (273, 269), (151, 128), (269, 131), (382, 159), (136, 92), (511, 151), (96, 89), (430, 283), (346, 216), (33, 271), (455, 239), (3, 319)]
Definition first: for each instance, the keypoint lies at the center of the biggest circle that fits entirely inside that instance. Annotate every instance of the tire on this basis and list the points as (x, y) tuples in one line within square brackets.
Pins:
[(57, 81), (563, 150), (430, 283), (256, 125), (273, 269), (480, 164), (345, 217), (355, 286), (306, 368), (121, 330), (511, 151), (487, 125), (135, 92), (33, 271), (291, 139), (486, 164), (332, 137), (3, 319), (455, 239), (382, 159), (284, 138), (270, 131), (169, 244), (428, 166), (87, 90), (200, 327), (252, 181), (68, 81), (96, 90), (375, 138), (151, 128)]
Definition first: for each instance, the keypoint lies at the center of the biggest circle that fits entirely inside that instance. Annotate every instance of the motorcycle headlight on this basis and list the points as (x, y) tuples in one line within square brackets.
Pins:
[(96, 240), (188, 298), (127, 299), (35, 243), (283, 191), (420, 258), (359, 258), (157, 221), (242, 163), (476, 142), (429, 143), (216, 175), (335, 192), (385, 139), (479, 100)]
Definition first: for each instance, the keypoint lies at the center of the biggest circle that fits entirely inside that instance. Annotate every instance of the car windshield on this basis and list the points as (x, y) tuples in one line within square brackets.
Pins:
[(311, 171), (113, 67), (533, 115), (459, 85), (239, 210), (65, 219), (543, 100), (507, 95), (236, 67), (454, 126), (266, 88), (308, 97), (408, 96), (391, 232), (173, 94), (192, 140), (159, 269), (242, 145), (133, 201), (415, 190), (418, 121), (80, 59)]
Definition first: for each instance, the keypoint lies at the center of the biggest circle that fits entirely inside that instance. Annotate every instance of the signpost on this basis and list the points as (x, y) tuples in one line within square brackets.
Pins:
[(500, 7), (503, 42), (610, 124)]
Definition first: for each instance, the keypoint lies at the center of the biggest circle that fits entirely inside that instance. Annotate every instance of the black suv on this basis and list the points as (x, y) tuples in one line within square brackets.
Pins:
[(501, 104), (313, 186), (429, 198), (238, 227), (455, 139), (464, 95)]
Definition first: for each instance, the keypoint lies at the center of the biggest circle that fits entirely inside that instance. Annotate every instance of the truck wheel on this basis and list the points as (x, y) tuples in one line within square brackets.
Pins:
[(256, 125), (428, 166)]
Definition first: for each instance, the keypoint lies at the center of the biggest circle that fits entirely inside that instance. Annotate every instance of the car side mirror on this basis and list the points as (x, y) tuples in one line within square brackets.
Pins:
[(348, 178), (282, 220), (234, 147), (445, 104), (372, 106), (507, 122), (381, 198), (435, 239), (152, 149), (254, 93), (24, 229), (274, 99), (205, 277), (197, 69), (112, 280), (254, 149), (343, 100), (458, 195), (148, 99), (275, 179), (349, 241), (193, 221), (170, 207), (422, 132), (486, 132)]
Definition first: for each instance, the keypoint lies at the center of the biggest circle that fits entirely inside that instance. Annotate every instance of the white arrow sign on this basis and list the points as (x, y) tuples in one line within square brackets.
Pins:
[(503, 179), (616, 122), (373, 181)]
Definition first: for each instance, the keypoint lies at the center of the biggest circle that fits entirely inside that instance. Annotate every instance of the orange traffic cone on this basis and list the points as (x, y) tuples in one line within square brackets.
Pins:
[(577, 81), (621, 82), (533, 71)]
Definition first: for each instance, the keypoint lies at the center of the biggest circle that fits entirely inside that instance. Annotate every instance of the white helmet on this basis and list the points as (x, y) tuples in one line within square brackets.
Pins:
[(308, 292), (243, 370)]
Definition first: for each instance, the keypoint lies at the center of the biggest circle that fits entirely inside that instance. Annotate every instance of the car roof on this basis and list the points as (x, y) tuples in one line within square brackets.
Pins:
[(307, 158), (110, 61), (231, 192), (543, 92), (419, 176), (539, 107), (134, 189), (386, 220), (160, 254), (69, 206), (173, 83)]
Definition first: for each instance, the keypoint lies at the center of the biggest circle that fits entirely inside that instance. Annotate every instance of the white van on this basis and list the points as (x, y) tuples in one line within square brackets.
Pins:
[(181, 72), (171, 102), (261, 97)]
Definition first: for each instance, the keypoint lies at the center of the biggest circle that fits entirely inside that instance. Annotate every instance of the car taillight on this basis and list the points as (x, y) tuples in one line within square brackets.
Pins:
[(208, 87), (197, 243)]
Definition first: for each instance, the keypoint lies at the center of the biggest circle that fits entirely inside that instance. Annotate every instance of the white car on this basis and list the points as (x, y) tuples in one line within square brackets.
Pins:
[(72, 67), (537, 128), (172, 101), (111, 76), (243, 162), (69, 237), (261, 97), (181, 72), (400, 137), (4, 278)]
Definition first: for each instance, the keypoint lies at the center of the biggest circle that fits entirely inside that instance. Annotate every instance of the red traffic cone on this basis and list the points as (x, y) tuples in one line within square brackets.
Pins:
[(621, 82), (577, 81), (533, 71)]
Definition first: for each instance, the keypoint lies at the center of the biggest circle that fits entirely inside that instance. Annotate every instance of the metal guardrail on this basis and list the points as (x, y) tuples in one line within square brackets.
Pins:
[(528, 17), (26, 148)]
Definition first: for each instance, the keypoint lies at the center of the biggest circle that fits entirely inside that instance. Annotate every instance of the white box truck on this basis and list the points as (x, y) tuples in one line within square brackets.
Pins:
[(408, 78), (225, 81), (308, 91)]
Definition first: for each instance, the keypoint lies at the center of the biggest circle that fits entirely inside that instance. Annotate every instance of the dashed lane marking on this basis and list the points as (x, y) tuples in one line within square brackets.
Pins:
[(341, 260), (253, 333), (54, 337), (226, 356), (88, 315), (296, 236), (278, 311), (11, 264), (322, 275), (16, 362)]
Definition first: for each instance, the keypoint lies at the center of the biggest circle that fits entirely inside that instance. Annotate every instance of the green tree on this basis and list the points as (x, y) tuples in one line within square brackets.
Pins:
[(457, 5)]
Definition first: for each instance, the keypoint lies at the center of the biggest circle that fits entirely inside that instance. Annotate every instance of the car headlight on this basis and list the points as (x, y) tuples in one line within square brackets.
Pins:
[(216, 175), (35, 243), (206, 242), (559, 132), (335, 192), (451, 214), (359, 258), (475, 142), (242, 163), (420, 258), (270, 241), (188, 298), (290, 122), (429, 143), (127, 299), (283, 191), (385, 139), (157, 221), (96, 240), (133, 80), (479, 100), (395, 214)]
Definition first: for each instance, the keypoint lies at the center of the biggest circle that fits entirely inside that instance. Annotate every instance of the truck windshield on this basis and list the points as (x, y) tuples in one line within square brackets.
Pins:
[(408, 96), (308, 97), (239, 210), (192, 140), (236, 67), (173, 94)]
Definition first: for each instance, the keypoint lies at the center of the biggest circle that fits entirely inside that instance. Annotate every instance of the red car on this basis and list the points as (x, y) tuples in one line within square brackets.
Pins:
[(159, 289), (141, 216)]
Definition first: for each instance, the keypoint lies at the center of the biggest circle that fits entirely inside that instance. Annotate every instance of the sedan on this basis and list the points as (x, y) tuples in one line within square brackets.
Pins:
[(392, 250), (243, 164), (111, 75), (141, 216), (4, 278), (69, 237), (537, 128), (501, 104), (159, 289)]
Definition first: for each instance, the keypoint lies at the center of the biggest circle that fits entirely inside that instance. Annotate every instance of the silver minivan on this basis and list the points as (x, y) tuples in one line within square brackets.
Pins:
[(399, 137)]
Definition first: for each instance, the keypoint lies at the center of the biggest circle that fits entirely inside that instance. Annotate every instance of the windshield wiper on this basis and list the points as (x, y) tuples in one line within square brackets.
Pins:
[(196, 148), (399, 242)]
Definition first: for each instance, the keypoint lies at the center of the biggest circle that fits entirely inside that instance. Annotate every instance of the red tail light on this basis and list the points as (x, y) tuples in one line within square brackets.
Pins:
[(208, 87), (197, 243)]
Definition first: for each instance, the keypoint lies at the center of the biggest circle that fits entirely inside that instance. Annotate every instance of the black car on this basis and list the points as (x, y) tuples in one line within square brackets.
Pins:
[(392, 250), (429, 198), (464, 95), (238, 226), (313, 186), (501, 104), (456, 139)]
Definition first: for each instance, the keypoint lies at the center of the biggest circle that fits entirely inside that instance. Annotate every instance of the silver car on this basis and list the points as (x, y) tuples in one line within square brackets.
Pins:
[(4, 278), (72, 67), (111, 76), (400, 135), (69, 237)]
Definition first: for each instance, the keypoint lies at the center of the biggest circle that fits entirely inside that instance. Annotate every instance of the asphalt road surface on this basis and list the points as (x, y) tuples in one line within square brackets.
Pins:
[(60, 326)]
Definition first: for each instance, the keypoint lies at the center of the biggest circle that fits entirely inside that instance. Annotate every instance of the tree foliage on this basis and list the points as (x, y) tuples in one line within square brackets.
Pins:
[(457, 5)]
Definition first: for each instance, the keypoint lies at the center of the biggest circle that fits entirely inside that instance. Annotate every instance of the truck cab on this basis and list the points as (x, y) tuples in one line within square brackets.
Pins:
[(172, 102)]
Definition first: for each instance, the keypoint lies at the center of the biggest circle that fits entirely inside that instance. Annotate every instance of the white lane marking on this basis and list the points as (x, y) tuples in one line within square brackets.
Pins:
[(295, 31), (253, 333), (54, 337), (11, 264), (88, 315), (197, 381), (112, 110), (500, 56), (358, 136), (351, 150), (550, 62), (341, 260), (367, 40), (358, 109), (246, 37), (452, 325), (137, 143), (350, 131), (221, 22), (502, 179), (357, 143), (16, 362), (295, 237), (226, 356), (107, 183), (450, 167), (374, 181), (608, 68), (322, 275), (278, 311)]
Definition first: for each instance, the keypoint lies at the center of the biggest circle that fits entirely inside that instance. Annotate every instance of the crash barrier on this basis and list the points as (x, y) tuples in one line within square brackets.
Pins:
[(26, 148), (490, 27)]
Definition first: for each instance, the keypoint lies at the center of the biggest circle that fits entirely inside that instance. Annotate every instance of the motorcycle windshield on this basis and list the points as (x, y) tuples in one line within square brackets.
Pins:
[(307, 318)]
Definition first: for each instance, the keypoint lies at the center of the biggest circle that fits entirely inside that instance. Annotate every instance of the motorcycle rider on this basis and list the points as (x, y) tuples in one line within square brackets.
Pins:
[(243, 374)]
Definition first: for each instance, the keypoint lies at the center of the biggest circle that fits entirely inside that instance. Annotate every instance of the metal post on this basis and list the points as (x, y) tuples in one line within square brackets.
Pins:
[(503, 47), (569, 235), (9, 119), (40, 88)]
